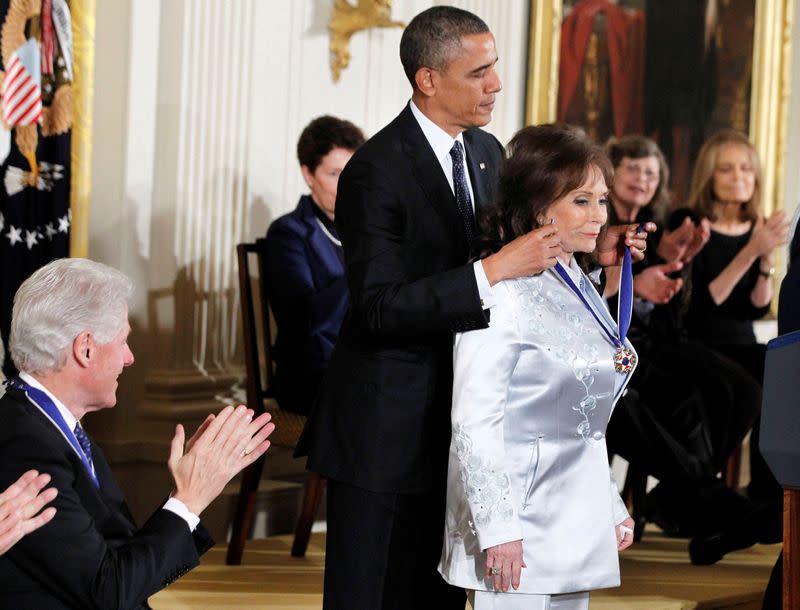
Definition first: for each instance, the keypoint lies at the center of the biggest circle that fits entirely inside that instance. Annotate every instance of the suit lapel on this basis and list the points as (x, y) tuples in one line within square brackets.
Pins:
[(109, 491), (428, 173)]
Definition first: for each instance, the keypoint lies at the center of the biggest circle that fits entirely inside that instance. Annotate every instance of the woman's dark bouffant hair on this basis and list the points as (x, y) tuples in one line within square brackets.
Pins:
[(322, 135), (544, 163)]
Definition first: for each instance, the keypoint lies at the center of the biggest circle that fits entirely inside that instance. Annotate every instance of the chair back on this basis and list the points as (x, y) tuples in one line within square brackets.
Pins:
[(257, 335)]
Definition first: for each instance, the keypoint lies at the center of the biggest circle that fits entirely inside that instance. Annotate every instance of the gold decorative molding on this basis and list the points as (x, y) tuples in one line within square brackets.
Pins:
[(769, 99), (347, 19), (83, 36), (544, 43)]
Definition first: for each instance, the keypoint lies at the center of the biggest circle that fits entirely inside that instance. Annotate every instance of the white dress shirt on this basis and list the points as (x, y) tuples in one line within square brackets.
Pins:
[(441, 143)]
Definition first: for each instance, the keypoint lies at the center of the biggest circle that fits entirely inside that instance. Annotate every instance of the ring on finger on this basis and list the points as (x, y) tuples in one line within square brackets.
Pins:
[(495, 571)]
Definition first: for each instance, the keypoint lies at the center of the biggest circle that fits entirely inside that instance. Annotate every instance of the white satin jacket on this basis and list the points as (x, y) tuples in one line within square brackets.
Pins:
[(532, 396)]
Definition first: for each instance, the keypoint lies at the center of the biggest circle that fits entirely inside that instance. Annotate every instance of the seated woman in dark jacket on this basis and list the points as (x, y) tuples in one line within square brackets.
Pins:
[(305, 266)]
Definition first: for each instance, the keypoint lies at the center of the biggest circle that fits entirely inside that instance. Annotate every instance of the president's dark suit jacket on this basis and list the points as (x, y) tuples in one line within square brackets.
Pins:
[(308, 296), (383, 418), (91, 555)]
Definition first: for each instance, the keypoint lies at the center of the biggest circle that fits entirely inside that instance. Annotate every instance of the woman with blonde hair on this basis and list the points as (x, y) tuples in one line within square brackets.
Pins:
[(732, 277)]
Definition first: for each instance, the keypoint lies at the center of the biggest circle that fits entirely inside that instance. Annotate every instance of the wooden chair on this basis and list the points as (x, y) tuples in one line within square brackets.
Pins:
[(288, 426)]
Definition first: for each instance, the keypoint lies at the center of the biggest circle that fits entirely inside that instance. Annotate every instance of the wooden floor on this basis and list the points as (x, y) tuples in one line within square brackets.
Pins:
[(656, 575)]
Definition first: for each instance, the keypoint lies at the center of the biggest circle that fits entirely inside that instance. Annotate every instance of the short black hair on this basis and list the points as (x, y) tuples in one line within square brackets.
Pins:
[(433, 37), (322, 135)]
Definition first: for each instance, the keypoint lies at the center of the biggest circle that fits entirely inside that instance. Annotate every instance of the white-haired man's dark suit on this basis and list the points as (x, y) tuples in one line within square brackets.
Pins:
[(92, 554)]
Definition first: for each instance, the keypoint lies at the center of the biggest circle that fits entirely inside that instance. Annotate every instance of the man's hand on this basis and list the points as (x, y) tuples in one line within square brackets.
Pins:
[(504, 565), (222, 446), (20, 505), (611, 247), (527, 255), (655, 285)]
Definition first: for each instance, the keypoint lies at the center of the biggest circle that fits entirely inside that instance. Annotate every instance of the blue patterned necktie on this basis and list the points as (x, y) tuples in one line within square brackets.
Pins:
[(461, 189), (83, 441)]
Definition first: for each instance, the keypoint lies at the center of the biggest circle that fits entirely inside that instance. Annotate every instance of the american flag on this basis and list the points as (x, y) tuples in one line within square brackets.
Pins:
[(22, 94)]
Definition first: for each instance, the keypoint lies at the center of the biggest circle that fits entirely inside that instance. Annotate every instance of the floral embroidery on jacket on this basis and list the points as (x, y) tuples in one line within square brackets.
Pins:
[(487, 488), (567, 341)]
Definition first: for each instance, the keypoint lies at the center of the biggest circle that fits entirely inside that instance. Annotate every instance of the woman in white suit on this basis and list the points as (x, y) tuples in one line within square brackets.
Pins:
[(534, 518)]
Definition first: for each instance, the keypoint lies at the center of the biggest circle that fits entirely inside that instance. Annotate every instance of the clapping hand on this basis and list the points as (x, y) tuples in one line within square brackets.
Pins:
[(655, 285), (685, 242), (217, 452), (769, 234), (20, 505)]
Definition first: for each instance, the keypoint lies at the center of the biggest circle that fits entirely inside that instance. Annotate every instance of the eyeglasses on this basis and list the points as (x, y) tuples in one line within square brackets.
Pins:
[(637, 170)]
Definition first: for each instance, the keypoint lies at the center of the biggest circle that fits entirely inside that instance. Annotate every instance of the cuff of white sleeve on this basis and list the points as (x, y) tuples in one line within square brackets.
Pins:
[(508, 532), (485, 291), (179, 508), (620, 510)]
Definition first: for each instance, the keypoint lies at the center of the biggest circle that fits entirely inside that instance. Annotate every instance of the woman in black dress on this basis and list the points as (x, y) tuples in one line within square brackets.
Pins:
[(732, 276)]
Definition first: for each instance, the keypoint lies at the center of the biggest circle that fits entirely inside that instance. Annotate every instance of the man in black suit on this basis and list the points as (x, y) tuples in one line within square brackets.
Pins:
[(405, 212), (69, 340)]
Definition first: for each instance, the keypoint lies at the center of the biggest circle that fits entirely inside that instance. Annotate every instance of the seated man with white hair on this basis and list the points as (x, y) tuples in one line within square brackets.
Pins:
[(69, 340)]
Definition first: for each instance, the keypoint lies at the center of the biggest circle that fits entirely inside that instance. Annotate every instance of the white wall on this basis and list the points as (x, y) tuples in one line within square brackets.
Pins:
[(198, 106)]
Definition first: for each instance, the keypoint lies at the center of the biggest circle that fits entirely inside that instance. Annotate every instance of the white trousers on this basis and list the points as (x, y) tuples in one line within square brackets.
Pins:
[(490, 600)]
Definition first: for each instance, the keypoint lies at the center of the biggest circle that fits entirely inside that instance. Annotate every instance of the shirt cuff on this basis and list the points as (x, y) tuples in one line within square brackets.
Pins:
[(485, 291), (174, 505)]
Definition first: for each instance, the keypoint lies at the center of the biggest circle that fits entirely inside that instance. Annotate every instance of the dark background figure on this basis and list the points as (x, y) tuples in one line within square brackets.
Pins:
[(788, 322), (680, 85), (304, 271), (789, 299)]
